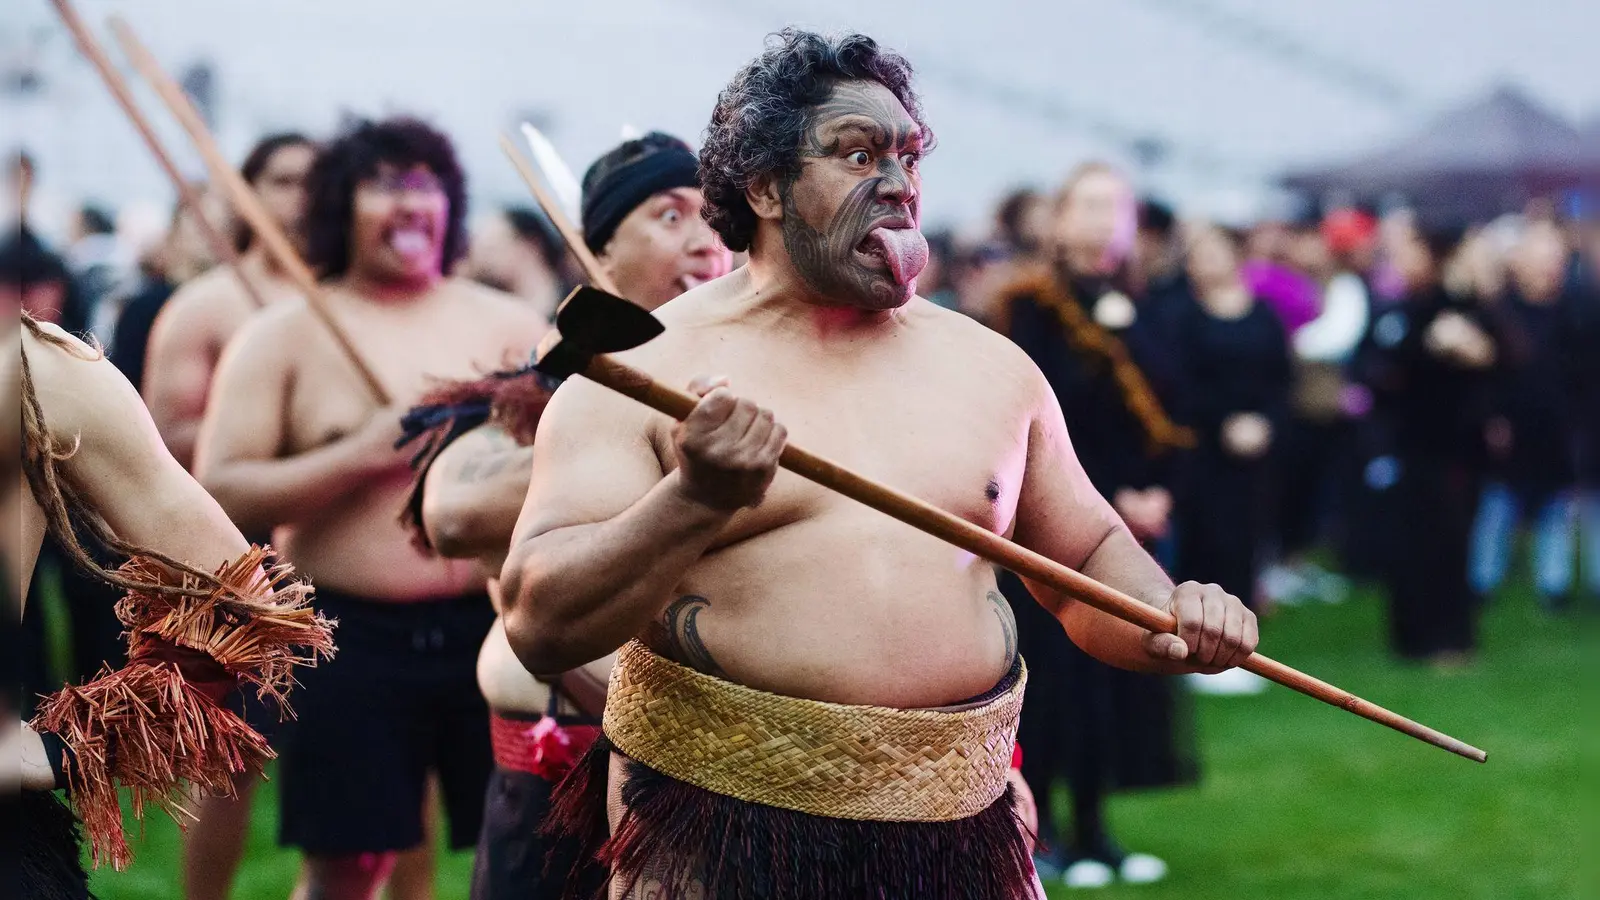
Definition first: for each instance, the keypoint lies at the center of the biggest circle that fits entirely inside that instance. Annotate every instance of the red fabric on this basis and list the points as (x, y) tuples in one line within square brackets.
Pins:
[(543, 747), (199, 670), (1016, 757)]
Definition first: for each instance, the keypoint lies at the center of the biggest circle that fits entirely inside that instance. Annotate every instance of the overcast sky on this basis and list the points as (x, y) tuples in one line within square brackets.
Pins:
[(1235, 90)]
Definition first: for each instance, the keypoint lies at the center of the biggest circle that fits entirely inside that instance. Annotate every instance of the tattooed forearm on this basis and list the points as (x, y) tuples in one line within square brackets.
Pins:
[(1008, 625), (683, 633)]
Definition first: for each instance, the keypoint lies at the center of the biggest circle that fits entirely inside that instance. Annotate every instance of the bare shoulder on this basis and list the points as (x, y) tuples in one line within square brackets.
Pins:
[(213, 295), (490, 301), (984, 356), (76, 385), (269, 338)]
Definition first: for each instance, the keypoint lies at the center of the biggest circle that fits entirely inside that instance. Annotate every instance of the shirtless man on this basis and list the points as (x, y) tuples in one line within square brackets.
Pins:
[(746, 596), (292, 441), (119, 483), (194, 326), (641, 217)]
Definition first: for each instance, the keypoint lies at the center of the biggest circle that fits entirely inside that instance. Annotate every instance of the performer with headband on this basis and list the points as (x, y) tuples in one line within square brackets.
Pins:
[(815, 700), (201, 316), (203, 617), (291, 441), (641, 218)]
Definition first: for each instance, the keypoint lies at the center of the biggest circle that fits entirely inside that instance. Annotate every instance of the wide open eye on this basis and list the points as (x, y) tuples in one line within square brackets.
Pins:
[(859, 158)]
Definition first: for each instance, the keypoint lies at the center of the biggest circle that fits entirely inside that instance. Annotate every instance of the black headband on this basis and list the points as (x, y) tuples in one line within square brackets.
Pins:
[(609, 200)]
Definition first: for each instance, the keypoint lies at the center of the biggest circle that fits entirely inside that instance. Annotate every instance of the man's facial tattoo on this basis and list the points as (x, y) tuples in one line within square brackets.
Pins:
[(827, 259)]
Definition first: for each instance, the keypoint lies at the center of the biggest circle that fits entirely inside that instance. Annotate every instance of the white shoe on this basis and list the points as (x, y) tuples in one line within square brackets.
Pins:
[(1142, 868), (1230, 683), (1088, 873)]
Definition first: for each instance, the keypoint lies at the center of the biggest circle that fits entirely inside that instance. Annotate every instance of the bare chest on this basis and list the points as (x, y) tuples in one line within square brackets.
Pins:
[(408, 356), (932, 432)]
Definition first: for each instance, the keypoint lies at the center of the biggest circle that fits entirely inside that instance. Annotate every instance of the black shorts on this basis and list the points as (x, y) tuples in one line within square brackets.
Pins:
[(400, 699), (514, 860)]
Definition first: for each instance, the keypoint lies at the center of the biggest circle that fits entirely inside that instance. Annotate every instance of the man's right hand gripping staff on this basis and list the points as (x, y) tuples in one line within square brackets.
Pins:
[(576, 591)]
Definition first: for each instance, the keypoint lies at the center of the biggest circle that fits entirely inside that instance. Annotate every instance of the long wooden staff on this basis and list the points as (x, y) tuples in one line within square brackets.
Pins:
[(244, 199), (221, 247), (638, 385)]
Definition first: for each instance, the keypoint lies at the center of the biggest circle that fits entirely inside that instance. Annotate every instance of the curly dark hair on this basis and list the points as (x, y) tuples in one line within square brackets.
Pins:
[(254, 164), (354, 156), (760, 117)]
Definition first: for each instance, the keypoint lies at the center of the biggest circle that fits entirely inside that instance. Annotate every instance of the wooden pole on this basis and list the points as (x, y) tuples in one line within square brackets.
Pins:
[(552, 209), (953, 529), (244, 199), (188, 197)]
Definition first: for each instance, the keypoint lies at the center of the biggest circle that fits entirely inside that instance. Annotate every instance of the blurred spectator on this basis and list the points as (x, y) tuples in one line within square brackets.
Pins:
[(1316, 449), (518, 251), (20, 174), (96, 259), (1159, 278), (1236, 374), (935, 283), (1583, 364), (1270, 274), (1023, 222), (181, 255), (34, 279), (1097, 728), (1531, 435), (1425, 361)]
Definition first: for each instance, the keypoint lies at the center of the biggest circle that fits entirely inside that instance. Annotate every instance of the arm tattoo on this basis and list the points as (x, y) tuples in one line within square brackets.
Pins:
[(1008, 625), (683, 634)]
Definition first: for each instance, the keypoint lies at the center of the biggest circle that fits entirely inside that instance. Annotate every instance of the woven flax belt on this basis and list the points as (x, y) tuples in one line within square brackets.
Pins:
[(826, 759)]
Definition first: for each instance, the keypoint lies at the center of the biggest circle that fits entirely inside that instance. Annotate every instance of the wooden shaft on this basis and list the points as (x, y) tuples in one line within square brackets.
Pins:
[(244, 199), (552, 209), (188, 197), (996, 549), (637, 385)]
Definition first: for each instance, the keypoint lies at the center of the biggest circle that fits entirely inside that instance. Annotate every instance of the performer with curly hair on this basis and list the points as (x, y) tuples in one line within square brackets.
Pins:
[(814, 700), (292, 441)]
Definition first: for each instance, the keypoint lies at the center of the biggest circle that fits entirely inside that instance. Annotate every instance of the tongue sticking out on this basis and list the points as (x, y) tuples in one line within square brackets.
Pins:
[(409, 243), (905, 251)]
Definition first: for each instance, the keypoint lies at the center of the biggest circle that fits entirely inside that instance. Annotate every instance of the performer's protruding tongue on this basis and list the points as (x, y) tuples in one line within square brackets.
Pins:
[(904, 250), (410, 241)]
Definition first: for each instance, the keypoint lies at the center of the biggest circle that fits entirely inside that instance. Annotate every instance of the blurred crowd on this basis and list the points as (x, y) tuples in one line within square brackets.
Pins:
[(1277, 408), (1382, 337)]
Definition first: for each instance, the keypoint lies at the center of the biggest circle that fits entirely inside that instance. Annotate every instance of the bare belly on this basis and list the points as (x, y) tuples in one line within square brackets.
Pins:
[(848, 607), (508, 687), (361, 548)]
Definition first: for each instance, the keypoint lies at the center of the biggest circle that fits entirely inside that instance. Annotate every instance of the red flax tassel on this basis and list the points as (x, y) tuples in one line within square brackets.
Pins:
[(159, 721)]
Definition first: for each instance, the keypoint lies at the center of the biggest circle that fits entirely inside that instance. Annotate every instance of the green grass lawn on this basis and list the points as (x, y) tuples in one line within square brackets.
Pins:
[(1298, 800)]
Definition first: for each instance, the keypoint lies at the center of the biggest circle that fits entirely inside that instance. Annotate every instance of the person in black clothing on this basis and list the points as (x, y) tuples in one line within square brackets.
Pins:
[(1097, 728), (1237, 374), (181, 256), (1161, 280), (1581, 352), (1425, 361), (1532, 433)]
